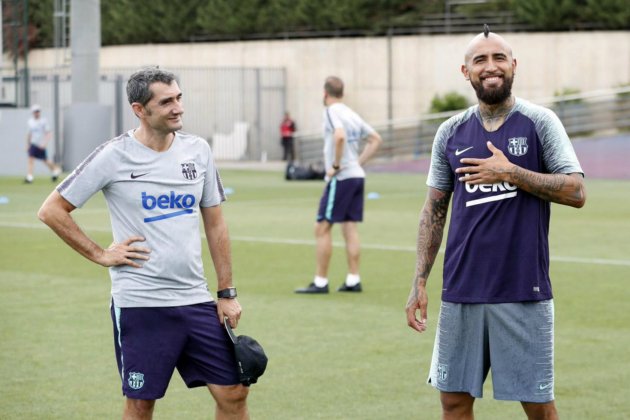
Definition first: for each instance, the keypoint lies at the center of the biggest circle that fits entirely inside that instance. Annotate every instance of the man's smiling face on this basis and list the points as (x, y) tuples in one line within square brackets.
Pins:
[(490, 67)]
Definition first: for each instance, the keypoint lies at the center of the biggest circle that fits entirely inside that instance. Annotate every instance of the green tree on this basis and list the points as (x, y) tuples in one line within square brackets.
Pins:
[(39, 30), (40, 17), (611, 14), (550, 15), (228, 17), (451, 101), (139, 22), (167, 21)]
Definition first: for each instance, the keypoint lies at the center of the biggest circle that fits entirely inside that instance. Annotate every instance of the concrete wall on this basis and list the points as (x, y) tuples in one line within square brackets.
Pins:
[(422, 67)]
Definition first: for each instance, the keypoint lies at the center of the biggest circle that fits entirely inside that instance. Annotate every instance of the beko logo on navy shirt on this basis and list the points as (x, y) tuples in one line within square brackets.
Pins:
[(182, 202), (508, 191)]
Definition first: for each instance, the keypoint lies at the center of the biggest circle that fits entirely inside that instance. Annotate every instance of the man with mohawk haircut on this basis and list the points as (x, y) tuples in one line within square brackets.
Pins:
[(502, 162)]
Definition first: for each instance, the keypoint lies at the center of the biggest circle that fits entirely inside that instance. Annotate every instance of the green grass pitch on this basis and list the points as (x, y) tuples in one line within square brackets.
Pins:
[(330, 357)]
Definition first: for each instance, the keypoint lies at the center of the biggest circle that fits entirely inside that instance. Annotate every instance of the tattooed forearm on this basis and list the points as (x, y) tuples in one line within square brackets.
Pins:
[(544, 186), (557, 188), (430, 232)]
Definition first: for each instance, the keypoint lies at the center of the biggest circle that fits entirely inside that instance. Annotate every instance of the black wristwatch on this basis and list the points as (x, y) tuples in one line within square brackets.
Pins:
[(336, 167), (229, 293)]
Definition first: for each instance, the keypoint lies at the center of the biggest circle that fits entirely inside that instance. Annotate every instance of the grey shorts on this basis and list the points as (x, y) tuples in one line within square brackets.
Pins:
[(515, 340)]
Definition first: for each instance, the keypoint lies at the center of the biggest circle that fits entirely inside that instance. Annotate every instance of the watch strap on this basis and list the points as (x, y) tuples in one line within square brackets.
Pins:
[(229, 293)]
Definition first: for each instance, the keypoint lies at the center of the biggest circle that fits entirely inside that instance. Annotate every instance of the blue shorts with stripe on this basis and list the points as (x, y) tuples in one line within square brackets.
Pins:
[(151, 342), (342, 201)]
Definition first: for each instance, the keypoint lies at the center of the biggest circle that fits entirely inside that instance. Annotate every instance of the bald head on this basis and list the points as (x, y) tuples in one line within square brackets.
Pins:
[(484, 41)]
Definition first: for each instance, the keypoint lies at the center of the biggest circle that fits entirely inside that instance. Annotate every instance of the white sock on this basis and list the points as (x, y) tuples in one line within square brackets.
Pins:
[(320, 281), (352, 280), (56, 171), (29, 177)]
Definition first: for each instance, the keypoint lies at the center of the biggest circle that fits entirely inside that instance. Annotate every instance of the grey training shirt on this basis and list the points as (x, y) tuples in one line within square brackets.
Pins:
[(339, 115), (156, 195)]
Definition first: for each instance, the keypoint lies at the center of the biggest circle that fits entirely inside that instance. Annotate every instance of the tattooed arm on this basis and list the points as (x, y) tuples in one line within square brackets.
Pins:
[(567, 189), (430, 232)]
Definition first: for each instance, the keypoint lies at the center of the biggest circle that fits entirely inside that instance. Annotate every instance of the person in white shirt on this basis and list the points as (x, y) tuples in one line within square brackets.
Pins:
[(37, 139), (343, 197), (157, 182)]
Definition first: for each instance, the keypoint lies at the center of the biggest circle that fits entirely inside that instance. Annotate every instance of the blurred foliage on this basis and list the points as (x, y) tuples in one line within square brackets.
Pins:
[(550, 15), (568, 91), (167, 21), (451, 101), (623, 94), (141, 22), (39, 31), (612, 14)]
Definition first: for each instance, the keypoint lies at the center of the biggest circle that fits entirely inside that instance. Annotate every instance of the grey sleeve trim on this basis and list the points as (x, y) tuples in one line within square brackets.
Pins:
[(558, 153), (440, 174)]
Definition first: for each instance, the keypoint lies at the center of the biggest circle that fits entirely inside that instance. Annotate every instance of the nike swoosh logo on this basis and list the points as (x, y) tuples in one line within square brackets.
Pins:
[(133, 176), (459, 152), (545, 386)]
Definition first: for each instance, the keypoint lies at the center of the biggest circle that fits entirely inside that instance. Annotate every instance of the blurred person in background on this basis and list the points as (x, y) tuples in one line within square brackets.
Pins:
[(343, 197), (287, 131), (37, 139)]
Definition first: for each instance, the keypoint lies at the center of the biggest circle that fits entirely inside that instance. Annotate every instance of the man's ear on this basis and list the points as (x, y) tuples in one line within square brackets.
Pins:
[(137, 109), (514, 66), (465, 72)]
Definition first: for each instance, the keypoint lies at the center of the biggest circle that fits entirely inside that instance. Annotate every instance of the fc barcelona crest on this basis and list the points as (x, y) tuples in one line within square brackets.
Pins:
[(517, 146), (189, 171), (442, 372), (136, 380)]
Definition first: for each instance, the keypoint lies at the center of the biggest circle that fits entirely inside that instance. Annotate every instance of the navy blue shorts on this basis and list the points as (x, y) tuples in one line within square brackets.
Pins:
[(151, 342), (37, 152), (342, 201)]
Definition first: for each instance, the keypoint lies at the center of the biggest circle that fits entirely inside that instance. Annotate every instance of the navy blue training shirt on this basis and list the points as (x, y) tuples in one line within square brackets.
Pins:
[(497, 248)]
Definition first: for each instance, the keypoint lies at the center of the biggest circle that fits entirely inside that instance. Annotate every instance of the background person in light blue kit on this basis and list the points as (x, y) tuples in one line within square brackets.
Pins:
[(157, 181), (502, 162), (342, 200)]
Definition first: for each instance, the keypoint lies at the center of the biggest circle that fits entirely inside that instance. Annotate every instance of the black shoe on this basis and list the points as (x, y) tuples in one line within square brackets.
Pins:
[(312, 289), (345, 288)]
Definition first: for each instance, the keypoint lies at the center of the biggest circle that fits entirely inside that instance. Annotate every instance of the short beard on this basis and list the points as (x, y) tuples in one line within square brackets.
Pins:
[(493, 96)]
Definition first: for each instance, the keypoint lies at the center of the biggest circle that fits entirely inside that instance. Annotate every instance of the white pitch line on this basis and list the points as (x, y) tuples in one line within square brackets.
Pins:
[(379, 247)]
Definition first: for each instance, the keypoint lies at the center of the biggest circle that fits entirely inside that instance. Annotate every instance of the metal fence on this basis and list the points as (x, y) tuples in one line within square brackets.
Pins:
[(237, 109), (587, 114), (439, 23)]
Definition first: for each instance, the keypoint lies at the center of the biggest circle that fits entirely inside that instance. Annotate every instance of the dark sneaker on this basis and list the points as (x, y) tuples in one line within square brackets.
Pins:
[(345, 288), (312, 289)]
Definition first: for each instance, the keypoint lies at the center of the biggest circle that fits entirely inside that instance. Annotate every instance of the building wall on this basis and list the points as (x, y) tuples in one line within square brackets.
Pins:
[(423, 66)]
